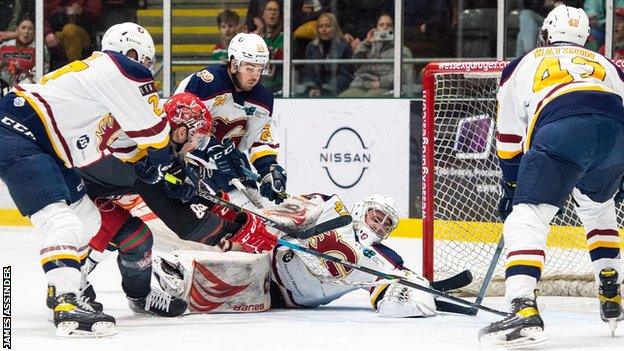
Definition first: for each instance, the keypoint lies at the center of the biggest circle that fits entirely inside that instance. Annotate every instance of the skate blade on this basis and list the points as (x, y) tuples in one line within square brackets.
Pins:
[(528, 337), (98, 330)]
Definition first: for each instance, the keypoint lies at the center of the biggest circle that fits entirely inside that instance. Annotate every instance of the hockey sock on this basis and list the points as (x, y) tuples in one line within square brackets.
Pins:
[(604, 250), (134, 242)]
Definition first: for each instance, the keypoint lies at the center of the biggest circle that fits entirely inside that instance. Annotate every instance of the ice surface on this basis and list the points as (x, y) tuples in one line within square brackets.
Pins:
[(346, 324)]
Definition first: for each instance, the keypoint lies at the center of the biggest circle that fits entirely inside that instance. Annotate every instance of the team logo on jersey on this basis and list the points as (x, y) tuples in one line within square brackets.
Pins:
[(249, 111), (19, 101), (331, 244), (265, 135), (233, 128), (220, 100), (147, 88), (345, 157), (107, 132), (205, 76), (82, 142)]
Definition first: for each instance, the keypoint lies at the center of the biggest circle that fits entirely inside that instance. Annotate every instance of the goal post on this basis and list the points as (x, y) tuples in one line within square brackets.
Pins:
[(461, 186)]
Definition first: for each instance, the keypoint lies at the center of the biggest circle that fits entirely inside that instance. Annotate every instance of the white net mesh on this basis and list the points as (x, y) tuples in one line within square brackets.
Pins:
[(466, 193)]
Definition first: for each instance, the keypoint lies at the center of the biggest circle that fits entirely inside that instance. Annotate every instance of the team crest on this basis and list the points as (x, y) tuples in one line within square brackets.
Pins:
[(260, 48), (266, 134), (107, 132), (220, 100), (205, 76)]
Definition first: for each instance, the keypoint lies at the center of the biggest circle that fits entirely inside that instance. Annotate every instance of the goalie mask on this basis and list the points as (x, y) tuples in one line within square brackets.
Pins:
[(564, 24), (374, 218), (188, 111)]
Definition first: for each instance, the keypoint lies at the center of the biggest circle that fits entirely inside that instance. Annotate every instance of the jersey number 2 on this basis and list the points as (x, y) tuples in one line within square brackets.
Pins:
[(549, 72)]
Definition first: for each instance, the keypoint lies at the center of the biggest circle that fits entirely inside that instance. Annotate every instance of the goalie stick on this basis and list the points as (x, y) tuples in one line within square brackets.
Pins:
[(334, 223), (400, 280)]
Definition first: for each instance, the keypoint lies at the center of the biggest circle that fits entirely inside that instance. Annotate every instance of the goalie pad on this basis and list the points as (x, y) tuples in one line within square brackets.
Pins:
[(216, 282), (399, 301)]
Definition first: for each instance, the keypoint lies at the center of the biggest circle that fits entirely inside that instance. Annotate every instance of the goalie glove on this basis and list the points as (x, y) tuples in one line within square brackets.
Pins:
[(505, 205), (399, 301)]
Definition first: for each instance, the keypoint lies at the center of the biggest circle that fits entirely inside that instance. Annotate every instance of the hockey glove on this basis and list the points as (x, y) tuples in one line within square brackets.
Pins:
[(151, 172), (273, 184), (180, 182), (400, 301), (619, 196), (252, 236), (505, 205), (227, 159)]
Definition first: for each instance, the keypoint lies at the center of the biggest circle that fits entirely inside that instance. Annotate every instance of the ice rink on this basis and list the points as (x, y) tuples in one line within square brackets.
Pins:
[(346, 324)]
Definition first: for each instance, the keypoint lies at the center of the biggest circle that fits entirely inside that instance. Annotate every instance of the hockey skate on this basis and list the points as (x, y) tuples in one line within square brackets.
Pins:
[(158, 303), (75, 318), (170, 276), (87, 294), (610, 298), (524, 326)]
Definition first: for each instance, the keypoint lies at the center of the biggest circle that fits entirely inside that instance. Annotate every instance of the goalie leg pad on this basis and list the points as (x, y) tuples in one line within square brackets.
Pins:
[(225, 282)]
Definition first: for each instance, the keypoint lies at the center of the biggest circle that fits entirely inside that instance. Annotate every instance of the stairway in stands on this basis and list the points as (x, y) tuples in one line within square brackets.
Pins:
[(193, 26)]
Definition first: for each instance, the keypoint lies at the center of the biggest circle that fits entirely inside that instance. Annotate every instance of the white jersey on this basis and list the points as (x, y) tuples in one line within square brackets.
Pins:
[(544, 85), (301, 287), (86, 106), (243, 116)]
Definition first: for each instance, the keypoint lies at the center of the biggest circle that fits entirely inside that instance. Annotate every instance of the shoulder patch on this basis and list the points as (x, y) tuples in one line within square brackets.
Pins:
[(129, 68), (205, 75)]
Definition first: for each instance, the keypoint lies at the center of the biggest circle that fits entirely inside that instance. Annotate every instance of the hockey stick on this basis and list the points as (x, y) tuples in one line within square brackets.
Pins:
[(490, 271), (400, 280), (254, 199), (334, 223)]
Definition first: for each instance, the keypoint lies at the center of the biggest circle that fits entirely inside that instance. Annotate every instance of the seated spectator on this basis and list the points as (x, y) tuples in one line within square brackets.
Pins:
[(618, 35), (304, 16), (119, 11), (270, 29), (10, 13), (327, 79), (377, 79), (69, 25), (254, 16), (358, 17), (596, 12), (17, 56), (229, 24)]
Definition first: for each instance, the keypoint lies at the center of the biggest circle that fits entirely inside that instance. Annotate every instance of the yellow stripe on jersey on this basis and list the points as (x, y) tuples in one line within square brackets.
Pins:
[(132, 159), (259, 154), (59, 257), (507, 155), (547, 100), (156, 145), (43, 118)]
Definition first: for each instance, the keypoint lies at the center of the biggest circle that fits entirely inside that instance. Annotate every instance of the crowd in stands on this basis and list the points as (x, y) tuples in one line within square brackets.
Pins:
[(321, 30)]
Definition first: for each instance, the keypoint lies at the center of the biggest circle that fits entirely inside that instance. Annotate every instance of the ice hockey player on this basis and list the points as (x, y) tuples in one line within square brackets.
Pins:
[(51, 127), (560, 132), (242, 108), (300, 280)]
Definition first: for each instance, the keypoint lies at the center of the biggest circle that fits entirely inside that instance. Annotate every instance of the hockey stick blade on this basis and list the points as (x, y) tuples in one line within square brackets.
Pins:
[(334, 223), (400, 280), (457, 281), (445, 306)]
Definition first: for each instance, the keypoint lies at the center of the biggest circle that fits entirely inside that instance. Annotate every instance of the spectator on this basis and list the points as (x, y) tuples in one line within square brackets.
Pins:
[(229, 25), (69, 25), (358, 16), (119, 11), (304, 16), (618, 35), (270, 29), (17, 56), (10, 13), (377, 79), (425, 25), (596, 12), (327, 79), (254, 15)]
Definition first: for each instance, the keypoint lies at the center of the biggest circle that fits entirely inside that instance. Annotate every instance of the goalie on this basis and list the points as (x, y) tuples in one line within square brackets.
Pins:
[(300, 280)]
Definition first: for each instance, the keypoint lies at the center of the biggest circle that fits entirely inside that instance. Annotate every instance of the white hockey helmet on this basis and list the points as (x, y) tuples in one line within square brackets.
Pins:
[(374, 218), (565, 24), (248, 47), (127, 36)]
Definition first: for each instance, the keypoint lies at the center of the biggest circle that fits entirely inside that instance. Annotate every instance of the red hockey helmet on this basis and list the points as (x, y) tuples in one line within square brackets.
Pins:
[(188, 110)]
